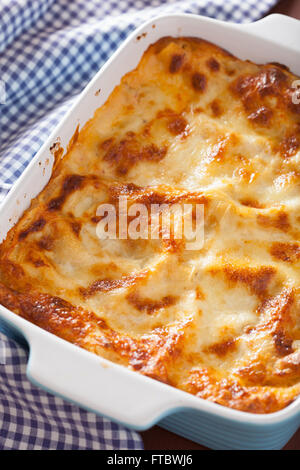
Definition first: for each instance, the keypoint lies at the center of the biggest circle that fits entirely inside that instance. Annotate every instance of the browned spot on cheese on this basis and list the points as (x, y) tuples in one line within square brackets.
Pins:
[(46, 243), (71, 183), (199, 293), (95, 219), (261, 116), (251, 203), (34, 227), (103, 285), (277, 307), (106, 144), (154, 197), (216, 108), (271, 80), (37, 262), (279, 221), (283, 344), (223, 347), (177, 125), (107, 285), (150, 306), (176, 63), (277, 313), (198, 110), (149, 196), (254, 90), (213, 64), (229, 71), (129, 151), (199, 81), (76, 227), (268, 81), (256, 279), (289, 252)]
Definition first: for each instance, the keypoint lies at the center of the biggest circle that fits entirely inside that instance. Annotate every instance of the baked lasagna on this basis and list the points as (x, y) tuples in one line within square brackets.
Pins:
[(190, 123)]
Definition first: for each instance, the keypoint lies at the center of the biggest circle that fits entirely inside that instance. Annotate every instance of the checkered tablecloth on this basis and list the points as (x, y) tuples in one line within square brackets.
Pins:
[(33, 419), (49, 50)]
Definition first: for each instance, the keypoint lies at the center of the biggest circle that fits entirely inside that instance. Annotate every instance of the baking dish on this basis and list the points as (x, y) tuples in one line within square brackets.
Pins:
[(93, 382)]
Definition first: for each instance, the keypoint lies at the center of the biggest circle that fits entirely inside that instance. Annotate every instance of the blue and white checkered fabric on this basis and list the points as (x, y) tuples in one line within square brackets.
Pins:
[(33, 419), (49, 50)]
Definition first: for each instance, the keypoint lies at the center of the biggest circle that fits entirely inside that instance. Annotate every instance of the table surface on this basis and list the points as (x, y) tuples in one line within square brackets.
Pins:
[(159, 439)]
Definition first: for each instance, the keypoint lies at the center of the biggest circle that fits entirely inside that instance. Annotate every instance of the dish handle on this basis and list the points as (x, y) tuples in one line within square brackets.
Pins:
[(280, 28), (96, 384)]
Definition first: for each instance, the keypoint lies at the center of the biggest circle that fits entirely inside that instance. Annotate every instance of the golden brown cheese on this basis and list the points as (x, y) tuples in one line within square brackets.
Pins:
[(190, 123)]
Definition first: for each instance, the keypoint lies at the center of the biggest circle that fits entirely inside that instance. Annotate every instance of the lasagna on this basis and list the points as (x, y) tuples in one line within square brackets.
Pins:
[(190, 123)]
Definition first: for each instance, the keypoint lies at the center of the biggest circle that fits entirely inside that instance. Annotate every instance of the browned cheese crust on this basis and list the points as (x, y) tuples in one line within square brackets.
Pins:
[(190, 123)]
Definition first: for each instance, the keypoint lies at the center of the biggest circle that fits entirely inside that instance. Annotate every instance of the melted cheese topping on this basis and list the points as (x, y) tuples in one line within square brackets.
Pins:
[(192, 122)]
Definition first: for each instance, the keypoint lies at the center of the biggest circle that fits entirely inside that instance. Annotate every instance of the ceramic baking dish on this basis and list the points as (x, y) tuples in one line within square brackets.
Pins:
[(95, 383)]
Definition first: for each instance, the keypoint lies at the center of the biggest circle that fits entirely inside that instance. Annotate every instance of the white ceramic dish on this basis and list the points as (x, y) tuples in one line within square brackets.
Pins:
[(93, 382)]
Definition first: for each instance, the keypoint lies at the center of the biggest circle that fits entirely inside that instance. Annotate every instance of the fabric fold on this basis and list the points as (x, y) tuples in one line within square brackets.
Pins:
[(17, 16)]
